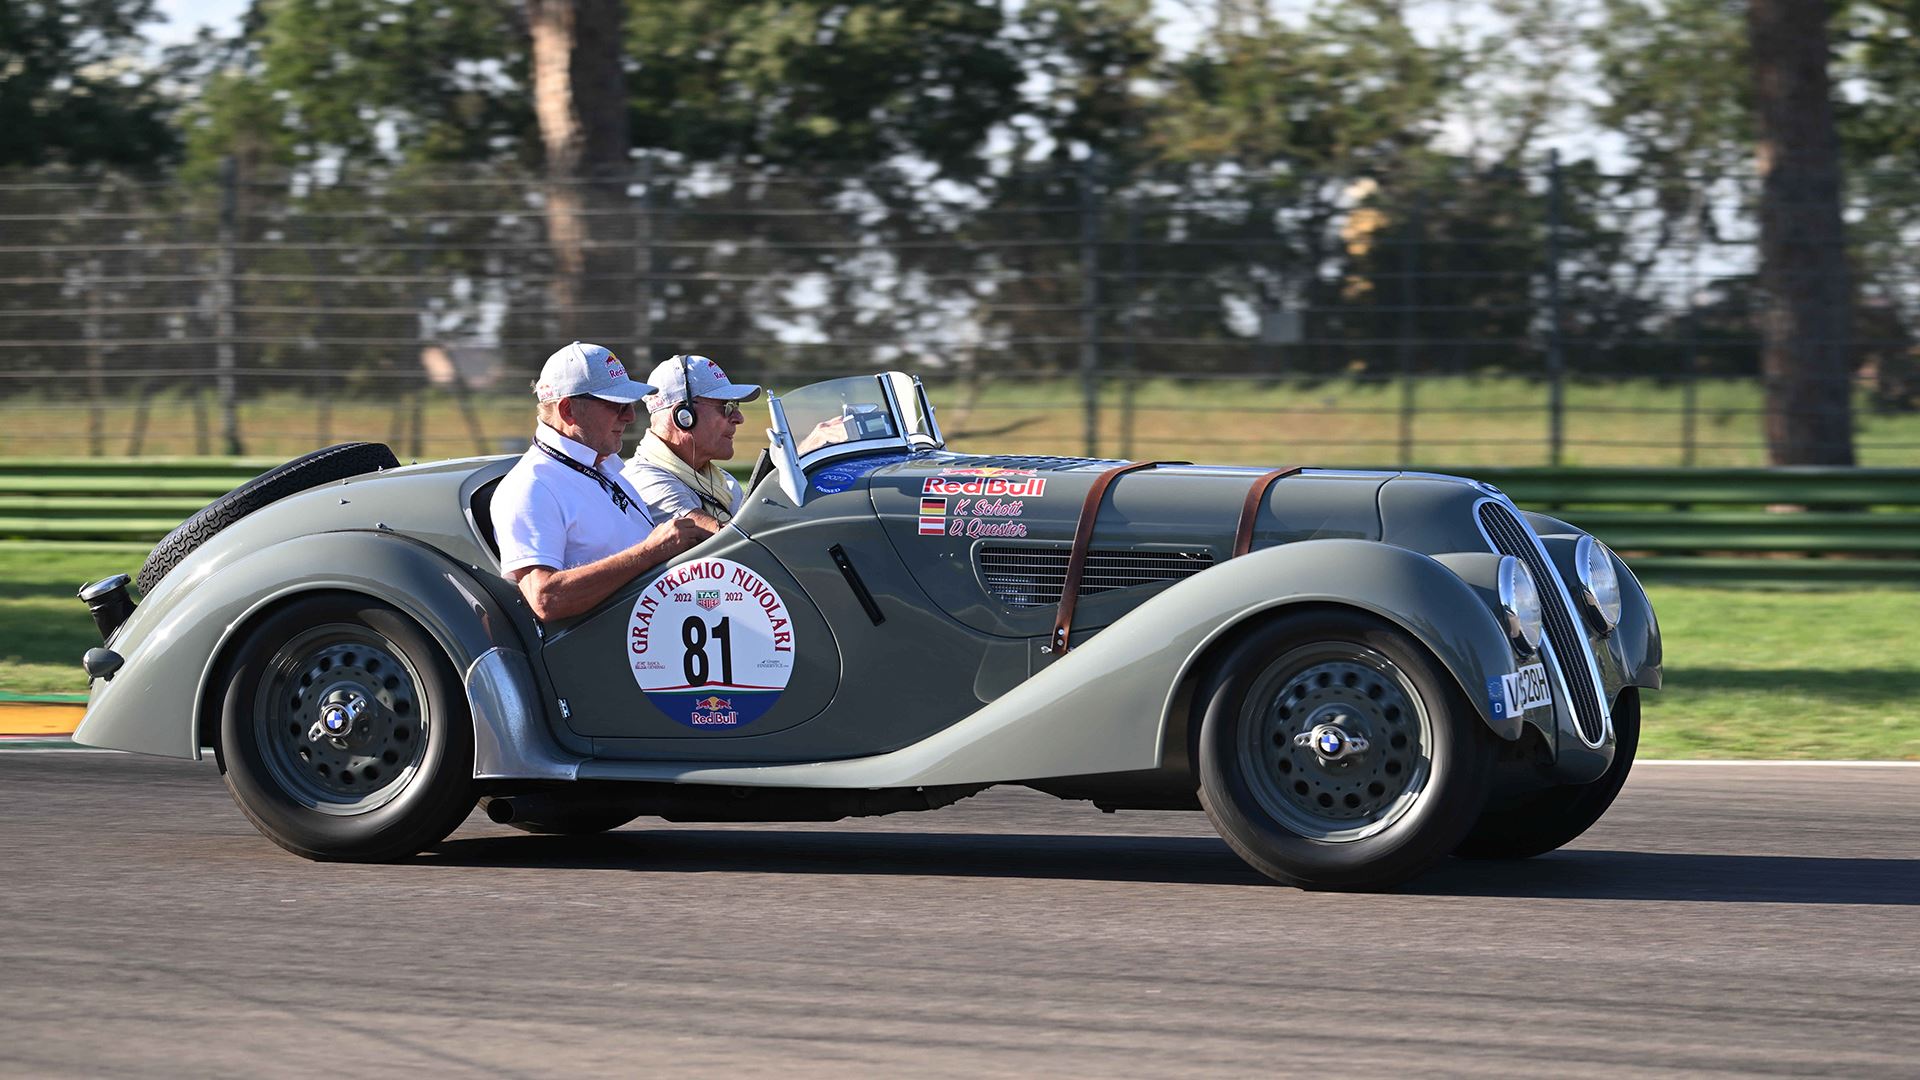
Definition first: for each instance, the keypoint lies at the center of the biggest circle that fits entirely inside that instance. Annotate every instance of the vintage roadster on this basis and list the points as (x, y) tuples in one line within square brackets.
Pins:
[(1354, 674)]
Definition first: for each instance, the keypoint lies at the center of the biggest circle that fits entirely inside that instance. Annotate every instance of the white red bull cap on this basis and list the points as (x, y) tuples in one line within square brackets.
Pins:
[(690, 378), (587, 369)]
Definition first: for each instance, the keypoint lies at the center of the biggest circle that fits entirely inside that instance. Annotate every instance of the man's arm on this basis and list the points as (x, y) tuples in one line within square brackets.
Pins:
[(562, 594), (706, 522)]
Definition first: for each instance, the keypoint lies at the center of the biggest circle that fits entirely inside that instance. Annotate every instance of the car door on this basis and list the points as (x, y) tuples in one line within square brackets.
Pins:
[(721, 644)]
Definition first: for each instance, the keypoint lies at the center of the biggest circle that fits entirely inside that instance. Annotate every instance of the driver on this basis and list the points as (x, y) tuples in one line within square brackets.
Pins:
[(693, 416), (571, 530)]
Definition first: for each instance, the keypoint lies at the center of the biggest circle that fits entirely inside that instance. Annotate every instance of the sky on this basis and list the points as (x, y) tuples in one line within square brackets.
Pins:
[(185, 17)]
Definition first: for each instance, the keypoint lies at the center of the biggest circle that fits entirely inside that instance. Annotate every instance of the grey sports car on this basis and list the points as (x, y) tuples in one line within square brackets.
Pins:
[(1354, 674)]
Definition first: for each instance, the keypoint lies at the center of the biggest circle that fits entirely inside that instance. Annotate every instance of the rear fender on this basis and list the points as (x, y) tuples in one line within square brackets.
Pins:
[(158, 700)]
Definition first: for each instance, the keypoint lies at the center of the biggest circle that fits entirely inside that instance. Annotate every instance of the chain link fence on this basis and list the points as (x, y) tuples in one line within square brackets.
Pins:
[(1496, 317)]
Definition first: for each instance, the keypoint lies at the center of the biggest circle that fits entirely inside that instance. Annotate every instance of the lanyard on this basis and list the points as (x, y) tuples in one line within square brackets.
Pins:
[(612, 489)]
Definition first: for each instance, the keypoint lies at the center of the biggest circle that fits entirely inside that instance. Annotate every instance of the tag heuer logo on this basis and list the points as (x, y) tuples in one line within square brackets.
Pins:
[(708, 599)]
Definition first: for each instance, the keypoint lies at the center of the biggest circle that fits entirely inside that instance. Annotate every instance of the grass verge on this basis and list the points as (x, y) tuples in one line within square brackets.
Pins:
[(1458, 420), (1748, 674)]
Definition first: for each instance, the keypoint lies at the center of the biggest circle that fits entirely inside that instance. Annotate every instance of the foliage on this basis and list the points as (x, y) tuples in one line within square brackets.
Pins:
[(354, 84), (1350, 89), (818, 81), (73, 89)]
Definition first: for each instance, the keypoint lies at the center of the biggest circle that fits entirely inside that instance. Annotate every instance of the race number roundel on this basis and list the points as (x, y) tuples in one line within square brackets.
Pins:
[(711, 644)]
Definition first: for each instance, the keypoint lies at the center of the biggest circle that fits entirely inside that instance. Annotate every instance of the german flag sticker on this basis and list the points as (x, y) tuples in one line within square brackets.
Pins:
[(933, 517)]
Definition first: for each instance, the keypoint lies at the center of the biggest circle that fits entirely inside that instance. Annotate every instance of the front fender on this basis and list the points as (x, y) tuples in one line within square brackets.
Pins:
[(153, 705), (1415, 592)]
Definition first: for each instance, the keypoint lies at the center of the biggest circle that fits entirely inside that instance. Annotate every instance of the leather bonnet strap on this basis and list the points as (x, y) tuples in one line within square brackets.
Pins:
[(1082, 539), (1243, 536)]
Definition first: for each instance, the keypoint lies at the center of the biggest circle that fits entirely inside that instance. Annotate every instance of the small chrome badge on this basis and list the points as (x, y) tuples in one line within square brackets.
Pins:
[(1332, 743)]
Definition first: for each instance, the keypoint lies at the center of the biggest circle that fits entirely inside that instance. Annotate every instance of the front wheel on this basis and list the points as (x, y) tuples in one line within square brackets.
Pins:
[(344, 731), (1336, 753), (1537, 822)]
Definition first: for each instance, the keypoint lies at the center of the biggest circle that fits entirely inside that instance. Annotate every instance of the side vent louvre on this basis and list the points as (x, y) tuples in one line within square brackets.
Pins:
[(1022, 576)]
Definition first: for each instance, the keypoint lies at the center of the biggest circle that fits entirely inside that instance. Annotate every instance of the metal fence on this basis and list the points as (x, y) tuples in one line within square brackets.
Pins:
[(1493, 317)]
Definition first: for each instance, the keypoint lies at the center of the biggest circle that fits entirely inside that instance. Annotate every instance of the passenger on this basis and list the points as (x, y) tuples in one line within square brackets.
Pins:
[(571, 530), (693, 415)]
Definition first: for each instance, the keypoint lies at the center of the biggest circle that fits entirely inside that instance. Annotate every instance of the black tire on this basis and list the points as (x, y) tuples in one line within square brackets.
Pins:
[(1360, 820), (571, 819), (320, 467), (398, 780), (1541, 821)]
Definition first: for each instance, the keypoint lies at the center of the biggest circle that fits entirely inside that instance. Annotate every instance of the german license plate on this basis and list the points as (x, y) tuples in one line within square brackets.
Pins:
[(1525, 689)]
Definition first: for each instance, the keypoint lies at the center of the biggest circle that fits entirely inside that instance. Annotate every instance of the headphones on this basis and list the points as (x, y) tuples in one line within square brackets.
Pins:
[(684, 415)]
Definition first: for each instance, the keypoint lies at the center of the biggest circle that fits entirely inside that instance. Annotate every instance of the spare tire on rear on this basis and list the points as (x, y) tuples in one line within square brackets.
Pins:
[(322, 466)]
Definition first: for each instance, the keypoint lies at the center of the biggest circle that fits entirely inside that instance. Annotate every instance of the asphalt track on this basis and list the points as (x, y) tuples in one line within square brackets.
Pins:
[(1721, 920)]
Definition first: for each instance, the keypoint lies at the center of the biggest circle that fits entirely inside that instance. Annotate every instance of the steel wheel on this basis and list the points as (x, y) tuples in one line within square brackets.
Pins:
[(1337, 744), (344, 731), (340, 720), (1335, 752)]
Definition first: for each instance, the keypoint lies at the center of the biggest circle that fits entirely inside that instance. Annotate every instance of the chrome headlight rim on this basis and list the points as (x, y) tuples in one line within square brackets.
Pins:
[(1600, 594), (1521, 613)]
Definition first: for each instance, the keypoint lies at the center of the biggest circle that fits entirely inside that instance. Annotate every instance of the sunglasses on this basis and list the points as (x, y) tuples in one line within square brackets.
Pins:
[(728, 410)]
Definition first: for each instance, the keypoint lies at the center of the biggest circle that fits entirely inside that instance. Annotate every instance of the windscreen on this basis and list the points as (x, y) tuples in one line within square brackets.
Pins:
[(849, 410)]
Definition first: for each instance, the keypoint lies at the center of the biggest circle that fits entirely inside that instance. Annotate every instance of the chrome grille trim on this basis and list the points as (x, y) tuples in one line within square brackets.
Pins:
[(1508, 533), (1021, 576)]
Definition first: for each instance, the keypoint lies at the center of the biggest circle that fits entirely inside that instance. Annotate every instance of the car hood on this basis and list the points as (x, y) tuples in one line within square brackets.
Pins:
[(987, 536)]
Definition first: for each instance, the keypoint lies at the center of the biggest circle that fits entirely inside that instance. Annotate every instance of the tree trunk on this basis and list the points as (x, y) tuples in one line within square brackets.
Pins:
[(1805, 325), (580, 101)]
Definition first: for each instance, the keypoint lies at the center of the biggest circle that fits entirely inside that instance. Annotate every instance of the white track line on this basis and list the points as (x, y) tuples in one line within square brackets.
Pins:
[(1794, 763)]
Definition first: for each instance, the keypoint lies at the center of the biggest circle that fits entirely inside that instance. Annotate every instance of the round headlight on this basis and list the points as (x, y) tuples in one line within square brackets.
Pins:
[(1520, 604), (1599, 584)]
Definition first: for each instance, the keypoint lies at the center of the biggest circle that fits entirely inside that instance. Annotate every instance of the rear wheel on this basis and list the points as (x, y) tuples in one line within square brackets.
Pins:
[(345, 733), (1541, 821), (1336, 753)]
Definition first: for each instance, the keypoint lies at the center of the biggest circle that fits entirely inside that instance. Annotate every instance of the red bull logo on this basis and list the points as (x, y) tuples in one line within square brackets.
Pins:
[(998, 487), (714, 711), (615, 368)]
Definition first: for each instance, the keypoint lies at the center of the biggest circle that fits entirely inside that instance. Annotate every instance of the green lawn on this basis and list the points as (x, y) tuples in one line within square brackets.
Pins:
[(1786, 675), (1749, 674), (44, 628), (1456, 421)]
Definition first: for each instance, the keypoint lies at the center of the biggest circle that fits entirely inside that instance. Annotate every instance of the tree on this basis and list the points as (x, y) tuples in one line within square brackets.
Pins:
[(580, 97), (365, 85), (74, 89), (1803, 254), (821, 82)]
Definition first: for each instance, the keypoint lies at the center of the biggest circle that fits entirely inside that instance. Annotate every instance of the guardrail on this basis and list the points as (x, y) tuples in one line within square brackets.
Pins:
[(1779, 527)]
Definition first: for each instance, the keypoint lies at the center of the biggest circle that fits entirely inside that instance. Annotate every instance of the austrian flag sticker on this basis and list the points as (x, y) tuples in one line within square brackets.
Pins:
[(933, 517)]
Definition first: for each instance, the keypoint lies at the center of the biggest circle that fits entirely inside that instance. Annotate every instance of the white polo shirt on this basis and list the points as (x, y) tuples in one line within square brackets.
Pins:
[(548, 514)]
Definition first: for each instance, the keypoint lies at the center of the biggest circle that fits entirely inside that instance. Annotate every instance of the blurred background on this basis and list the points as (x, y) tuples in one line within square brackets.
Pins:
[(1552, 232)]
